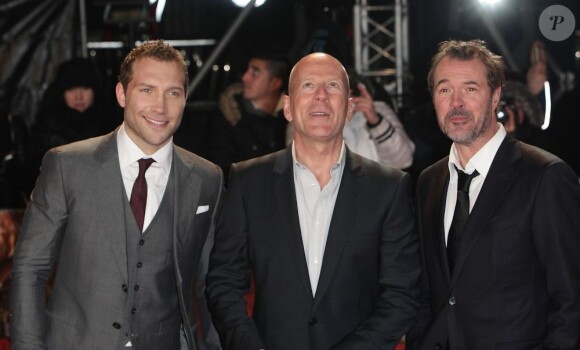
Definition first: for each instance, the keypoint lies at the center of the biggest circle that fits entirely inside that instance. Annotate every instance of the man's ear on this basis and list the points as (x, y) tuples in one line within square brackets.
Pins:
[(495, 98), (120, 92), (276, 84), (350, 110), (287, 112)]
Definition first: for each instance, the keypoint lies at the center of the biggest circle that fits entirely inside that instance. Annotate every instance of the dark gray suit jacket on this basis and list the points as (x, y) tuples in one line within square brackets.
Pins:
[(367, 292), (516, 283), (76, 220)]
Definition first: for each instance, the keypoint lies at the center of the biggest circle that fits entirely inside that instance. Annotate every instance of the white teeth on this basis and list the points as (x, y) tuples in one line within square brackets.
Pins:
[(317, 113), (155, 121)]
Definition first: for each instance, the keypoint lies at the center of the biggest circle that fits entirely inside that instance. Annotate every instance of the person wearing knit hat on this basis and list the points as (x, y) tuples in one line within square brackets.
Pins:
[(74, 108)]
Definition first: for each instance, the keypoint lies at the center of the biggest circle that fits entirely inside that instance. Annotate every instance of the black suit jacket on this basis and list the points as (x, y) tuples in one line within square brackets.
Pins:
[(366, 295), (516, 283)]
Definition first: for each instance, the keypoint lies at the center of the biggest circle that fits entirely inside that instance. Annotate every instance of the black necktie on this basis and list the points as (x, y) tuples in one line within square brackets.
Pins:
[(139, 193), (460, 215)]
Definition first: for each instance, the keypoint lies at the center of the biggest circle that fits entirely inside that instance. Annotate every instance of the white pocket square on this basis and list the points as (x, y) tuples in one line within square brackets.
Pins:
[(202, 209)]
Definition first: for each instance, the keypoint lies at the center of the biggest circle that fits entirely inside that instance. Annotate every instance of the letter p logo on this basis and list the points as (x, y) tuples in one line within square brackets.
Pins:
[(557, 23)]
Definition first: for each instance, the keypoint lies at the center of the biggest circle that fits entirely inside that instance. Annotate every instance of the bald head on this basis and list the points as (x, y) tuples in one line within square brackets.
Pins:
[(311, 61), (318, 100)]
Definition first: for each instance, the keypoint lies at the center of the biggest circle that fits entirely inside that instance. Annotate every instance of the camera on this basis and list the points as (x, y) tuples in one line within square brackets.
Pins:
[(505, 104)]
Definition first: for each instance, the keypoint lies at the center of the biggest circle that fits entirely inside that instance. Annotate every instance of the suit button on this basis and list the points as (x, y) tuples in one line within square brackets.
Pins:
[(452, 301), (133, 311), (141, 242), (139, 264), (313, 322), (116, 325), (136, 288), (438, 346), (125, 289)]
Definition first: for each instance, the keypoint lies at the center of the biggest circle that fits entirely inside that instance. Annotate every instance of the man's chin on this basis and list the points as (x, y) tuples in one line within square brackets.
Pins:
[(459, 136)]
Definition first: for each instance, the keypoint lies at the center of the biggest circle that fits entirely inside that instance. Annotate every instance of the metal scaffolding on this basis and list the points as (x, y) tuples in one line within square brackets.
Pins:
[(381, 46)]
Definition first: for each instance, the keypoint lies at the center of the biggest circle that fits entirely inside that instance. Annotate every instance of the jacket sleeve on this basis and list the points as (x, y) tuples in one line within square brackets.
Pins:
[(34, 257), (229, 274), (556, 232), (394, 147)]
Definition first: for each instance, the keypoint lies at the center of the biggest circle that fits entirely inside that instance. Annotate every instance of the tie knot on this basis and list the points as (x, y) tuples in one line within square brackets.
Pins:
[(144, 164), (464, 180)]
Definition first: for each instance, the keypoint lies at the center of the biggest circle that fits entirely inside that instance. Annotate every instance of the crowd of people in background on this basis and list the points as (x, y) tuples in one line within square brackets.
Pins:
[(261, 137), (248, 121)]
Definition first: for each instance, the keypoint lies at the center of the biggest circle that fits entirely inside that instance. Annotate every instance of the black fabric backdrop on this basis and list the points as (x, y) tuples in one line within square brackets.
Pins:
[(36, 36)]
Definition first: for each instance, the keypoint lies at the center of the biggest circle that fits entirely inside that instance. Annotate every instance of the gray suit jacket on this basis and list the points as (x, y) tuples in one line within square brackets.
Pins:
[(76, 220)]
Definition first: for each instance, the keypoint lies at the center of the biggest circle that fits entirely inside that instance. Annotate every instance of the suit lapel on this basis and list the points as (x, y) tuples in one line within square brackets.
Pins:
[(187, 189), (501, 175), (287, 210), (340, 224), (435, 217), (109, 181)]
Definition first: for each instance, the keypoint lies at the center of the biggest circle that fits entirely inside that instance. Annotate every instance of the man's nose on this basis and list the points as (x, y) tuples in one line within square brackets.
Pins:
[(321, 94), (246, 77), (160, 103), (456, 99)]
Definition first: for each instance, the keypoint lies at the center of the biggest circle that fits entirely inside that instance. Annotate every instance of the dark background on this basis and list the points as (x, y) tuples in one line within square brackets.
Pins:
[(294, 26), (37, 35)]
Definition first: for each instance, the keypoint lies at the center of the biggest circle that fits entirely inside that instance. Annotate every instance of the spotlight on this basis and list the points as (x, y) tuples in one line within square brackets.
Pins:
[(489, 2), (159, 9), (243, 3)]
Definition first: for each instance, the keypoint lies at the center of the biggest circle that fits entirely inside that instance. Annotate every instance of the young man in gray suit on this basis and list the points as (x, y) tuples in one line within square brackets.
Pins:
[(327, 235), (502, 261), (123, 219)]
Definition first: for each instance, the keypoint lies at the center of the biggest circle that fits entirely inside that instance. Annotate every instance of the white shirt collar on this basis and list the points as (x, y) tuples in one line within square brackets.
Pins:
[(482, 159), (339, 163), (129, 152)]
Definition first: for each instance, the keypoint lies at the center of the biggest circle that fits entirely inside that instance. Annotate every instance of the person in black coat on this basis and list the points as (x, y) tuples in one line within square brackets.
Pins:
[(251, 123), (74, 108)]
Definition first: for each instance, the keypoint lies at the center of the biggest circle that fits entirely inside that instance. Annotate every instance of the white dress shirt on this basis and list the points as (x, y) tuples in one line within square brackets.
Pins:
[(481, 161), (157, 175), (315, 208)]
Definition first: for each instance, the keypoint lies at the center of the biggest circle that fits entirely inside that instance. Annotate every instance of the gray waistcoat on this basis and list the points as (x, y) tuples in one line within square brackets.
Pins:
[(152, 318)]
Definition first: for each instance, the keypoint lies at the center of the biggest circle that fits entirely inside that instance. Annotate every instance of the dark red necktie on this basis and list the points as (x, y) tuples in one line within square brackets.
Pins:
[(139, 193)]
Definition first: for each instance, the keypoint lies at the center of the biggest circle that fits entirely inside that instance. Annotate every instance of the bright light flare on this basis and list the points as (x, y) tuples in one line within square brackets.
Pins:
[(159, 9), (489, 2), (243, 3), (548, 97)]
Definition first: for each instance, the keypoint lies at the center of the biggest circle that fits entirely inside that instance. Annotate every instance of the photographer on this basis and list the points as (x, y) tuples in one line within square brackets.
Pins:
[(521, 115)]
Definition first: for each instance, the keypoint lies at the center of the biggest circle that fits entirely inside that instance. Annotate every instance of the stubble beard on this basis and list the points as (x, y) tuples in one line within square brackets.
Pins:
[(466, 137)]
